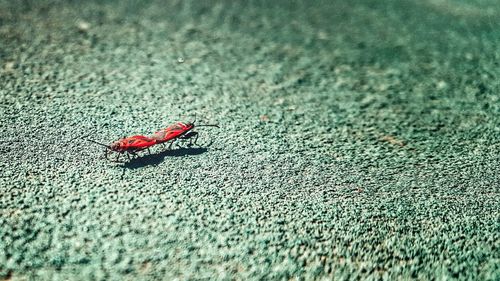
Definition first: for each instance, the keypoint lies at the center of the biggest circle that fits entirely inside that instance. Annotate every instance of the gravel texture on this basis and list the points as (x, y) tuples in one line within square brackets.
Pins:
[(358, 139)]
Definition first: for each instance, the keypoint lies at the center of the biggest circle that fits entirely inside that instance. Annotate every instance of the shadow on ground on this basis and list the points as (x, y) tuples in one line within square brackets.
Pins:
[(157, 158)]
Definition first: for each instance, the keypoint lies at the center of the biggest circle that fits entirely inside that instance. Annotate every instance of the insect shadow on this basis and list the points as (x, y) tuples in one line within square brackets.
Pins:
[(157, 158)]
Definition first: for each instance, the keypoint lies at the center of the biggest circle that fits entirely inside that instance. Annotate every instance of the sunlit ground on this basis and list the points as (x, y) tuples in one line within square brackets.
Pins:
[(357, 139)]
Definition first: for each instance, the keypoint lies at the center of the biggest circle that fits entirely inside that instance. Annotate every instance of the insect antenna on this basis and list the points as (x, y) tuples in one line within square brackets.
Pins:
[(204, 125), (208, 125), (194, 122), (107, 146)]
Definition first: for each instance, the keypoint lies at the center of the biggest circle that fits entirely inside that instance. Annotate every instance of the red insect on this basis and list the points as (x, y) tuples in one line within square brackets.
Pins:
[(134, 144), (131, 145), (179, 130)]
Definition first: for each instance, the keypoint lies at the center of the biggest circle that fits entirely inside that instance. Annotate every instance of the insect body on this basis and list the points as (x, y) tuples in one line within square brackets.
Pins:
[(172, 132), (177, 131), (131, 145)]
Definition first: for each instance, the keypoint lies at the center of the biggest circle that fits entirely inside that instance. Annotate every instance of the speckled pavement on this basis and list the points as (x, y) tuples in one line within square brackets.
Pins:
[(359, 140)]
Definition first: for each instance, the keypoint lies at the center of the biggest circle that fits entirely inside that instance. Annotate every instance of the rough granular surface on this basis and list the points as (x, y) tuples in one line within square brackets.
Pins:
[(358, 140)]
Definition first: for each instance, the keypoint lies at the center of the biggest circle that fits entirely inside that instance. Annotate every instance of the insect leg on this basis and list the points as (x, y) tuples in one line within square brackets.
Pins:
[(189, 136), (195, 138), (177, 143), (191, 141)]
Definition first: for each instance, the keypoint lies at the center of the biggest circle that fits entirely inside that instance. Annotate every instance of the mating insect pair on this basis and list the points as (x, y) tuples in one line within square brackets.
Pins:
[(134, 144)]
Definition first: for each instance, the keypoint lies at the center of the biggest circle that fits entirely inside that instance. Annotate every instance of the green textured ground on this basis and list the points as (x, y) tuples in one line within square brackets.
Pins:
[(359, 139)]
